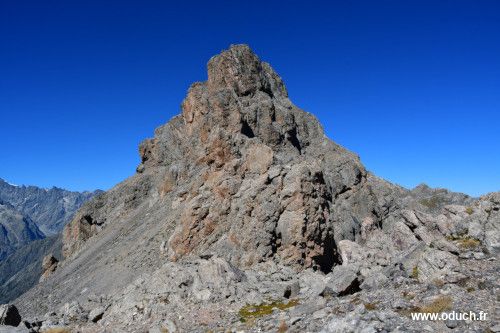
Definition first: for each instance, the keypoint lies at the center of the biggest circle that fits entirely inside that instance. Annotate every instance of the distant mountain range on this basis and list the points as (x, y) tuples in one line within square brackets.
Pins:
[(16, 229), (49, 209), (31, 219)]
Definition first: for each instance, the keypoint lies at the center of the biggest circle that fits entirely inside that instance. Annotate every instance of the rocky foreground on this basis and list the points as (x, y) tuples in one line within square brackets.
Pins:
[(243, 216)]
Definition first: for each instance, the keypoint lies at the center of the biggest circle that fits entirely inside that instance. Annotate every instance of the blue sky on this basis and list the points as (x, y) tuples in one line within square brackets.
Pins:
[(413, 87)]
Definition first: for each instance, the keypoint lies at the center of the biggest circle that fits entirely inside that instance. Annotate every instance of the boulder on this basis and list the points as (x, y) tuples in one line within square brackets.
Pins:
[(49, 265), (342, 281)]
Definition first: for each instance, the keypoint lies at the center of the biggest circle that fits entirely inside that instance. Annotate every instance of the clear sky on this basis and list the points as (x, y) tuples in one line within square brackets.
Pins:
[(413, 87)]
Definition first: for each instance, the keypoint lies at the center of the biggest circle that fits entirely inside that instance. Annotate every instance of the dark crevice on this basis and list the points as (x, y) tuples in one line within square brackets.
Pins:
[(267, 90), (97, 318), (329, 258), (275, 242), (294, 140), (247, 130), (90, 221), (352, 289)]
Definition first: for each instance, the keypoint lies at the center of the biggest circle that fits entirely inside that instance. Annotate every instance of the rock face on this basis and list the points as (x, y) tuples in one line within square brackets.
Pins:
[(240, 200), (248, 174)]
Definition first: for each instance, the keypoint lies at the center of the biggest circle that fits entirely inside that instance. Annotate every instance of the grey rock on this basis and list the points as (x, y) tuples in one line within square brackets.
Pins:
[(319, 314), (495, 328), (73, 312), (10, 329), (343, 280), (451, 323), (96, 314), (312, 283), (165, 326), (374, 281)]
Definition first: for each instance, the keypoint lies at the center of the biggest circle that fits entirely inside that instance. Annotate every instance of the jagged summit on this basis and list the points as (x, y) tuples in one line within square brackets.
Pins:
[(233, 151), (240, 70), (242, 198), (242, 95)]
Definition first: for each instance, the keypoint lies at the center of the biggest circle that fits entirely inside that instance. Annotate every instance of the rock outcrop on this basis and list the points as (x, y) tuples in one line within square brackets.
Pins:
[(244, 215), (49, 266)]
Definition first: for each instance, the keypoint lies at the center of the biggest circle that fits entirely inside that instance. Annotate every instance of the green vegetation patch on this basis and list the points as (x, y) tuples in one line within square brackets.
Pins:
[(371, 306), (465, 242), (414, 273), (251, 311)]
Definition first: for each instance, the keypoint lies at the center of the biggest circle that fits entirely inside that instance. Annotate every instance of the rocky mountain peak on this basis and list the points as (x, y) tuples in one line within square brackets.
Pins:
[(242, 157), (240, 70), (243, 101), (241, 199)]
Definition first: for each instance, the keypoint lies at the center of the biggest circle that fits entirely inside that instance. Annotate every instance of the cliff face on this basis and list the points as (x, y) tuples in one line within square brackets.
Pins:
[(247, 174), (242, 198)]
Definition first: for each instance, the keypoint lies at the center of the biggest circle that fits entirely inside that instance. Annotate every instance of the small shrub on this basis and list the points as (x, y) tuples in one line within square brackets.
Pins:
[(371, 306), (468, 243), (283, 327), (414, 272), (355, 300), (464, 241), (482, 285), (440, 304), (470, 289), (463, 282), (438, 283), (469, 210)]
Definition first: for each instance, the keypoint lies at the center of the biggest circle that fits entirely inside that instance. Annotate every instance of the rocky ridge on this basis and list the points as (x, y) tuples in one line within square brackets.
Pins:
[(243, 216)]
